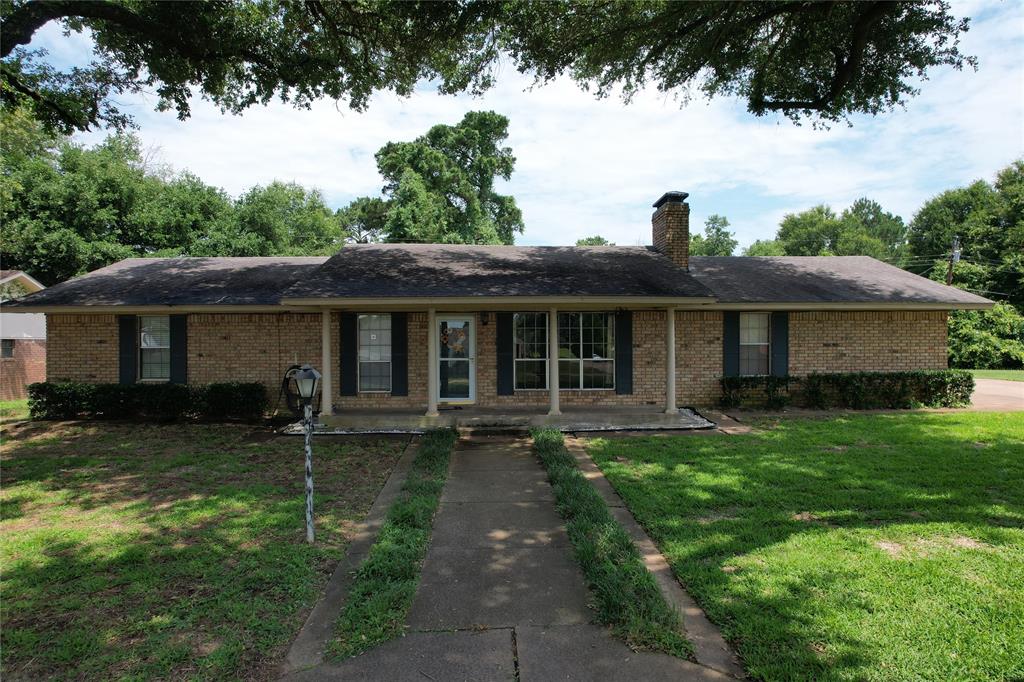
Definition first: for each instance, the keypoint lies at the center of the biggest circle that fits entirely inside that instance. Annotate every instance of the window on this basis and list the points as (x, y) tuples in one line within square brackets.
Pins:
[(375, 353), (155, 348), (531, 351), (586, 350), (754, 343), (7, 350)]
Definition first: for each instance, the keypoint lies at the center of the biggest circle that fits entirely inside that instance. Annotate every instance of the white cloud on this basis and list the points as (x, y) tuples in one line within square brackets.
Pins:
[(588, 166)]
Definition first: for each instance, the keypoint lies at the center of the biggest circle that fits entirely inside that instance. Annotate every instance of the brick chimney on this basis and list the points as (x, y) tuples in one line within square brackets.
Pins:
[(671, 227)]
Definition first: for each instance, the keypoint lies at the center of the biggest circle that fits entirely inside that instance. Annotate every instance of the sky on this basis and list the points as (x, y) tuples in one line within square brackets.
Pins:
[(589, 166)]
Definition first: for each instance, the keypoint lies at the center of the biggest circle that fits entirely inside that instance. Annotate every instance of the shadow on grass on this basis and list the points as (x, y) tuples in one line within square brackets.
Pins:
[(796, 538), (167, 551)]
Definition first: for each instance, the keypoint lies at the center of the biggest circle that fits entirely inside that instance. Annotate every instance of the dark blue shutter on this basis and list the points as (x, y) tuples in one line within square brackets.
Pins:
[(780, 344), (505, 343), (349, 380), (731, 344), (624, 352), (127, 348), (399, 354), (179, 349)]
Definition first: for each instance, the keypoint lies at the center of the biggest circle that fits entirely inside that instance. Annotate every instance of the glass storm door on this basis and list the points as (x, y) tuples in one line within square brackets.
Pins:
[(457, 378)]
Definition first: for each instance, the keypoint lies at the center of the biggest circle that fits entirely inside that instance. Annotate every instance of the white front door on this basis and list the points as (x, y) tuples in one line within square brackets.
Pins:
[(457, 358)]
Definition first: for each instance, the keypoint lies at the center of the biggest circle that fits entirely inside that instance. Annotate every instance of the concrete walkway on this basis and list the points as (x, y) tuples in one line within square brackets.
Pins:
[(501, 596)]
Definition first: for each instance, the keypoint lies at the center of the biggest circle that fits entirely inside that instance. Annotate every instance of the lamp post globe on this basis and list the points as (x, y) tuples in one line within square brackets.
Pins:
[(307, 379)]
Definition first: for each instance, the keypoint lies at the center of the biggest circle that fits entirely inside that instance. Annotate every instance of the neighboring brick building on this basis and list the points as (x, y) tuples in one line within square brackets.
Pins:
[(22, 339), (412, 327)]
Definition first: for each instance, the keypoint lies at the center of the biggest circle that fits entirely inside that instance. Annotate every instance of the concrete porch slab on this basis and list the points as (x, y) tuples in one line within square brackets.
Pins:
[(572, 419)]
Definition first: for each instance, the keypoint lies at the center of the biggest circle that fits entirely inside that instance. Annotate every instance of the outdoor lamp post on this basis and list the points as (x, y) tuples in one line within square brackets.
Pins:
[(308, 381)]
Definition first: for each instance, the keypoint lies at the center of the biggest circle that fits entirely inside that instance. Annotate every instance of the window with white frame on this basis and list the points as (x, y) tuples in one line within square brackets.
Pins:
[(754, 343), (586, 350), (154, 348), (375, 353), (531, 351)]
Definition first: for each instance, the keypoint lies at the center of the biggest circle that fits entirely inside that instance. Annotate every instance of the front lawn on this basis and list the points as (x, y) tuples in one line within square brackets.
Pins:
[(1004, 374), (173, 552), (856, 548), (13, 410)]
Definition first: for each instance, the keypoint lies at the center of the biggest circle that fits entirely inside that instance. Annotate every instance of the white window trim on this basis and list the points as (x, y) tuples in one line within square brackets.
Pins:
[(139, 379), (580, 360), (359, 363), (767, 344), (516, 361)]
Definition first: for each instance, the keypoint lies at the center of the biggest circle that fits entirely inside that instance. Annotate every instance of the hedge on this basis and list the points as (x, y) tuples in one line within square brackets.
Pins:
[(164, 402), (855, 390)]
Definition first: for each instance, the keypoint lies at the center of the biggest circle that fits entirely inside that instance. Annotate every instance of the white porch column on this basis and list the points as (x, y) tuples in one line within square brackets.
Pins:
[(670, 361), (326, 365), (553, 361), (432, 360)]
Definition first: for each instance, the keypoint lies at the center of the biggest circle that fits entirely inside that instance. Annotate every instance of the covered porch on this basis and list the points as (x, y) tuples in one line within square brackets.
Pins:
[(570, 419)]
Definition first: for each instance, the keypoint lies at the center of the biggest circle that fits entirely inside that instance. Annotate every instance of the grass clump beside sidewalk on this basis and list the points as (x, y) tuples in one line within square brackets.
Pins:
[(381, 594), (627, 597)]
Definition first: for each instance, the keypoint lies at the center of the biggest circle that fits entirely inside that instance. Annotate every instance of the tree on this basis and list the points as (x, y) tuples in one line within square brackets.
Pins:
[(717, 240), (819, 60), (867, 230), (813, 232), (987, 339), (989, 219), (440, 187), (596, 240), (289, 220), (765, 247), (363, 220)]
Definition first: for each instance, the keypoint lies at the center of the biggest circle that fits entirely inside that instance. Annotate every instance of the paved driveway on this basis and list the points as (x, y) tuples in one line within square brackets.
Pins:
[(501, 596), (997, 395)]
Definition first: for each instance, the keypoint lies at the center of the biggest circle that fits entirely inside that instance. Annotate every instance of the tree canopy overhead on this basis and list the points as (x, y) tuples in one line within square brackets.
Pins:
[(807, 60)]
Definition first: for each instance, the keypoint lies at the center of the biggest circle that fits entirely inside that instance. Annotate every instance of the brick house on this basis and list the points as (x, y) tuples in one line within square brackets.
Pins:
[(22, 341), (418, 326)]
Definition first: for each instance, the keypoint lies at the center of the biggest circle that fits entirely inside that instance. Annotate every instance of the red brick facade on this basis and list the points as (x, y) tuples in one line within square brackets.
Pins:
[(261, 346), (27, 366)]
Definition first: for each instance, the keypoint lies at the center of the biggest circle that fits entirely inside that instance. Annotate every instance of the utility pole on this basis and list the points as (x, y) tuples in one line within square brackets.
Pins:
[(954, 258)]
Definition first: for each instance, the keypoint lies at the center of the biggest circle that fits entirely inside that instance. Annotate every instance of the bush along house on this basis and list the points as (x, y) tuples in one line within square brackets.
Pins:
[(418, 328)]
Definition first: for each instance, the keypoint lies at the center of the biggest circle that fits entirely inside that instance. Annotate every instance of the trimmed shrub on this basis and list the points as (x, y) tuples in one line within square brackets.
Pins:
[(893, 390), (769, 391), (164, 402)]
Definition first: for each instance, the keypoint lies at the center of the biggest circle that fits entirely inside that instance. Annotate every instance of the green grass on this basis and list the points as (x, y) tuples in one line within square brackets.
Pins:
[(882, 547), (626, 595), (167, 552), (1005, 374), (13, 410), (385, 583)]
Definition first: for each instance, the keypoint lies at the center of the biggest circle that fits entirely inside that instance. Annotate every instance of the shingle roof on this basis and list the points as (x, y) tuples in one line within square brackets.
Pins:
[(819, 279), (179, 281), (436, 270), (448, 270)]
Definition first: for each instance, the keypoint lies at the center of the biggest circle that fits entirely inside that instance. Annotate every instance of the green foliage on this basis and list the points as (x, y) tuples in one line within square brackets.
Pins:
[(596, 240), (440, 186), (384, 585), (822, 61), (765, 247), (287, 219), (627, 597), (717, 240), (164, 402), (987, 339), (363, 220), (770, 391), (893, 390), (12, 290), (989, 219)]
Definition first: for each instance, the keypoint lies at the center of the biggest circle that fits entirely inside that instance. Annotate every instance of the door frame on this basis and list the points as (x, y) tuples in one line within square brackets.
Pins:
[(436, 331)]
